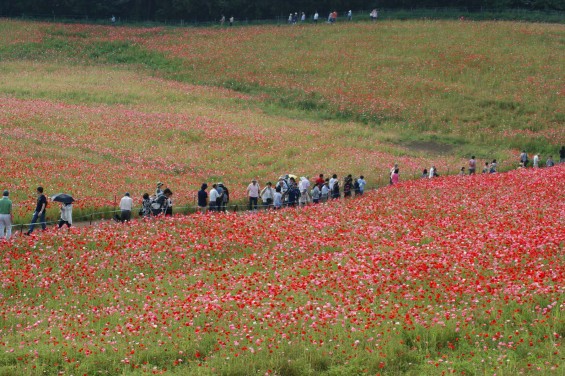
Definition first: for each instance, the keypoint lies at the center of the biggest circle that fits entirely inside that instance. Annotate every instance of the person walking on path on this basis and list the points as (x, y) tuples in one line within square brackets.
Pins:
[(39, 212), (472, 165), (486, 168), (335, 191), (536, 161), (493, 167), (325, 191), (348, 186), (6, 216), (126, 205), (225, 197), (524, 158), (268, 195), (277, 203), (253, 194), (395, 177), (316, 193), (304, 188), (214, 194), (203, 198), (67, 215), (316, 16), (562, 154), (392, 169), (145, 205), (332, 181)]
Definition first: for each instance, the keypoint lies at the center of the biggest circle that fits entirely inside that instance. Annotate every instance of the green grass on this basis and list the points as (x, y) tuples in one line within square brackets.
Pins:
[(414, 89)]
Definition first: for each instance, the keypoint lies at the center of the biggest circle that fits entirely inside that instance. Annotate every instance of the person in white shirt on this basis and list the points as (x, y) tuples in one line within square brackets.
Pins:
[(214, 194), (303, 186), (536, 161), (268, 195), (432, 172), (253, 194), (316, 16), (67, 215), (332, 181), (126, 205)]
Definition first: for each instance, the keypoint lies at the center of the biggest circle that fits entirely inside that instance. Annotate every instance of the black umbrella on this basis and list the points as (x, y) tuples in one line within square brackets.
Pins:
[(63, 198)]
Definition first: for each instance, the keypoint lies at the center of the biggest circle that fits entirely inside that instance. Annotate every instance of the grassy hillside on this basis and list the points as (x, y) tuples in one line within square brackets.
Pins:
[(130, 106)]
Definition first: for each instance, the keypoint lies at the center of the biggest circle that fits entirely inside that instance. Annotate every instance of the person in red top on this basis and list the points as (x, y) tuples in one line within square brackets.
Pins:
[(320, 180)]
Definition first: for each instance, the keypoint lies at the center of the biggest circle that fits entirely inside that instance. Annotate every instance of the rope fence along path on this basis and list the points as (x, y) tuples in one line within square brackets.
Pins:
[(239, 206)]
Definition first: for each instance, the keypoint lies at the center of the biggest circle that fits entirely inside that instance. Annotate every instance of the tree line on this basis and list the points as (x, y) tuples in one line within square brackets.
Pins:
[(212, 10)]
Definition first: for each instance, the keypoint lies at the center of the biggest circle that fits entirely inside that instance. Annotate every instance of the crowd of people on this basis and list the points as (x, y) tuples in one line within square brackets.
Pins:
[(288, 191), (293, 18)]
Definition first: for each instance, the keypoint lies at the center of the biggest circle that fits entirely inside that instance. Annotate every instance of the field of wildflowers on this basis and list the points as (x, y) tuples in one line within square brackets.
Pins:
[(483, 83), (97, 111), (459, 274), (455, 275)]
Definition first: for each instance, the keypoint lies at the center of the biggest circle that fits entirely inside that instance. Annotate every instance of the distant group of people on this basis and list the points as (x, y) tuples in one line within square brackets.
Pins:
[(293, 18), (536, 163), (215, 200), (6, 214), (288, 191), (223, 20), (160, 203)]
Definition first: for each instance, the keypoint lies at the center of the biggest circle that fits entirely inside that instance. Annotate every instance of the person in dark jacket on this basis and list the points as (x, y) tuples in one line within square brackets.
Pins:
[(203, 198)]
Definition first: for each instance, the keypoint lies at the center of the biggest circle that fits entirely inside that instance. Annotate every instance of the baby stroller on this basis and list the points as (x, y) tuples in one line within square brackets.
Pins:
[(159, 205)]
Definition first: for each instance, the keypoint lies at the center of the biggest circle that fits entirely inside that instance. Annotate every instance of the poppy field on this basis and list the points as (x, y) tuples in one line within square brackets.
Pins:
[(97, 111), (454, 275)]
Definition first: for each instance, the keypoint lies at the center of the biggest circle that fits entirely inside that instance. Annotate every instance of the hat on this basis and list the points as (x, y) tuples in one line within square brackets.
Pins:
[(127, 194), (6, 193), (159, 184)]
